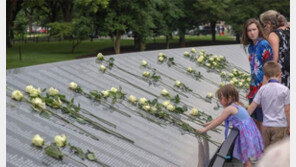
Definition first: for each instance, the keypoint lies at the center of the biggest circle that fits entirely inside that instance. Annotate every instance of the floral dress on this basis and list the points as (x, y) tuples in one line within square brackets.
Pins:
[(259, 54), (284, 48), (249, 142)]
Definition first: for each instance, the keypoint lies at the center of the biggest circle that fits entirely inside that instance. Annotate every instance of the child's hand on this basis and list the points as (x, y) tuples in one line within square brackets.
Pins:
[(206, 124), (202, 130)]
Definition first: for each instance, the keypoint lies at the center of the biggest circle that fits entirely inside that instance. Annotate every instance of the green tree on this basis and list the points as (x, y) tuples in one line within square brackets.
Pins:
[(168, 12), (211, 11), (12, 9)]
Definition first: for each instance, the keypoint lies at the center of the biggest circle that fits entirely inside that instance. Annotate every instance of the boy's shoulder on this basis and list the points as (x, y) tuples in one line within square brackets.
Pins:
[(274, 86)]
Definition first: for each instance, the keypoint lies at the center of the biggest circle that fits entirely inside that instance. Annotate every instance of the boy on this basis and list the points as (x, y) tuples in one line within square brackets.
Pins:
[(275, 100)]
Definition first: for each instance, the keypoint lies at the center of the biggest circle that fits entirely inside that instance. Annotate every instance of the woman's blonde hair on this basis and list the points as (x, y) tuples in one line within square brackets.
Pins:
[(274, 18)]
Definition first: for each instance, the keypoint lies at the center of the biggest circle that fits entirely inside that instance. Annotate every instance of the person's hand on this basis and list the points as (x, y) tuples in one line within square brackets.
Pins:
[(206, 124), (288, 130), (202, 130)]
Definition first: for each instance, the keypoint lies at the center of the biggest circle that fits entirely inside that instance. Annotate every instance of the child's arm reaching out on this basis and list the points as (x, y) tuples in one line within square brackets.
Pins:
[(218, 121), (252, 107)]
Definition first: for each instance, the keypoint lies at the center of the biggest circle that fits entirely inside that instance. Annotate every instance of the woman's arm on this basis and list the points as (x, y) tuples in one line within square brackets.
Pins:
[(218, 121), (274, 42)]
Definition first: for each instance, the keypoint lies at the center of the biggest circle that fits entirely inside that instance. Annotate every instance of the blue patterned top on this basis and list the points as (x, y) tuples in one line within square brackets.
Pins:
[(259, 54)]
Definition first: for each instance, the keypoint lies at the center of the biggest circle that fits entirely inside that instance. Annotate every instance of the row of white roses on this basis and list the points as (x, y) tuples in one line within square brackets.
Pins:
[(105, 93), (59, 140), (35, 97), (167, 104)]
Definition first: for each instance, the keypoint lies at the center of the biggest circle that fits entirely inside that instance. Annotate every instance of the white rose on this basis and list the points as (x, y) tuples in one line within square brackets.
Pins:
[(249, 79), (35, 92), (29, 88), (218, 59), (160, 59), (105, 93), (210, 95), (170, 107), (38, 140), (247, 106), (146, 107), (208, 64), (240, 84), (142, 100), (144, 63), (193, 50), (52, 91), (189, 69), (211, 59), (234, 70), (164, 92), (231, 75), (240, 73), (231, 82), (221, 57), (38, 102), (194, 111), (215, 56), (200, 59), (242, 80), (165, 103), (146, 74), (160, 54), (234, 80), (178, 83), (132, 98), (153, 108), (60, 141), (223, 74), (215, 64), (57, 103), (114, 90), (100, 56), (222, 84), (73, 85), (17, 95), (102, 68), (186, 53)]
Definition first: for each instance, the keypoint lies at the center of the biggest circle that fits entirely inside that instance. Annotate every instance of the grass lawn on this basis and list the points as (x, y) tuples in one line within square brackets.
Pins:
[(47, 52)]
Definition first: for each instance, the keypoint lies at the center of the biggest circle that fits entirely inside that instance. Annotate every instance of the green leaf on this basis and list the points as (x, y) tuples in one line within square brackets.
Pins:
[(90, 156), (80, 120), (45, 114), (72, 100), (54, 151), (176, 99), (78, 151), (44, 90)]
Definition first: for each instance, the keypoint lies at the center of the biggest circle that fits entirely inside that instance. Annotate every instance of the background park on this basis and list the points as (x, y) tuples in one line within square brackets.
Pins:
[(42, 31)]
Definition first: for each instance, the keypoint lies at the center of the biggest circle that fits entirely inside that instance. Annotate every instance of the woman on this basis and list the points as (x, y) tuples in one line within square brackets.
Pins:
[(260, 52), (278, 32)]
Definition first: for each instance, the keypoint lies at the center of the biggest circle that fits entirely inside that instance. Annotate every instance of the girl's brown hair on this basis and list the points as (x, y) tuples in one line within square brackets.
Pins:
[(228, 91), (274, 18), (245, 39)]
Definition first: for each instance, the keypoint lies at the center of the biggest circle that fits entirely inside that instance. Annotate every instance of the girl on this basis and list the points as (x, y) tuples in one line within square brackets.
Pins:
[(278, 32), (260, 52), (249, 142)]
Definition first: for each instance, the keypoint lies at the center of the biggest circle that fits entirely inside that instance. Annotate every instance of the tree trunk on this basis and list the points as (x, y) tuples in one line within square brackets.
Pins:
[(136, 42), (213, 26), (142, 44), (117, 42), (167, 41), (75, 45), (67, 9), (182, 37), (12, 9), (237, 35)]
